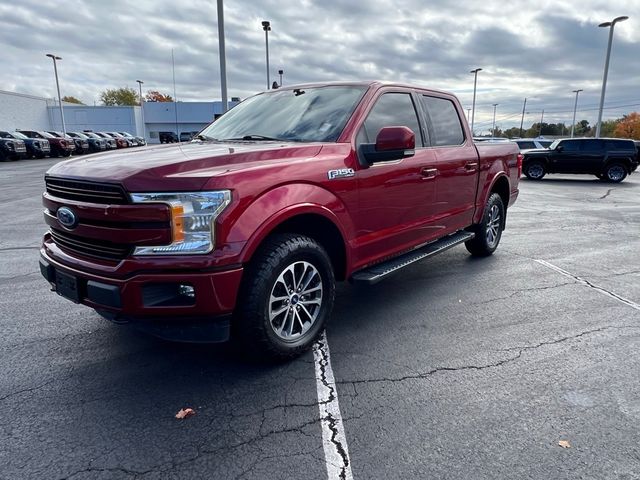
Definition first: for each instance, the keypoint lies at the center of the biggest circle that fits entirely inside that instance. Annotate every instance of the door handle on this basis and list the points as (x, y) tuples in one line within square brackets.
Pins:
[(429, 173), (471, 165)]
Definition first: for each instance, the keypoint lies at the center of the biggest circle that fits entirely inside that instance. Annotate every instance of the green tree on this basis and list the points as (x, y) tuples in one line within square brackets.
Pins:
[(70, 99), (582, 129), (513, 132), (608, 127), (119, 96)]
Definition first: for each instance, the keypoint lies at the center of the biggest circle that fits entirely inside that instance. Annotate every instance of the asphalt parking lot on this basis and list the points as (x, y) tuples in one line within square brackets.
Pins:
[(456, 368)]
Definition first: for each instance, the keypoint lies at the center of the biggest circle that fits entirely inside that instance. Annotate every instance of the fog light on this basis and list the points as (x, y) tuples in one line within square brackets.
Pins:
[(187, 291)]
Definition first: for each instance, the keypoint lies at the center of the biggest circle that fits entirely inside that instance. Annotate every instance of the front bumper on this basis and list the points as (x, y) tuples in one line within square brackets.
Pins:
[(152, 300)]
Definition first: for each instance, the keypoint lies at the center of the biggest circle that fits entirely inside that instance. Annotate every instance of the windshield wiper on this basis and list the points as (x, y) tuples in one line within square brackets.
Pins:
[(256, 137), (206, 138)]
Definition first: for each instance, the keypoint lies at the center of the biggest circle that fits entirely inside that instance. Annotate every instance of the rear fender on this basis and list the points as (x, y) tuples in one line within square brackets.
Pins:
[(496, 179)]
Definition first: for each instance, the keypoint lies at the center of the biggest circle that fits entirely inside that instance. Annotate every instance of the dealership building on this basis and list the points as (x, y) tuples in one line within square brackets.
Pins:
[(27, 112)]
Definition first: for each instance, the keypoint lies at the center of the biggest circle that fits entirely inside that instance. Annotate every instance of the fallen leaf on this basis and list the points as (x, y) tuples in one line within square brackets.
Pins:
[(564, 444), (184, 413)]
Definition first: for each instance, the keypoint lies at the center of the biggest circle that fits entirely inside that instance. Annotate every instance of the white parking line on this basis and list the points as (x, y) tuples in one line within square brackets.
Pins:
[(334, 441), (587, 283)]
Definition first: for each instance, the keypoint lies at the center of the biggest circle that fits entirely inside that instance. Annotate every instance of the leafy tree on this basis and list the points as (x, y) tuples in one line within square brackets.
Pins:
[(628, 126), (70, 99), (155, 96), (119, 96), (512, 132), (582, 129), (608, 127)]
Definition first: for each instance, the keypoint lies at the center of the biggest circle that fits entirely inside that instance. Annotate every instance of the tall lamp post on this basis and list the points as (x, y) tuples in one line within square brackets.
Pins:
[(575, 107), (493, 129), (55, 69), (266, 26), (223, 57), (611, 24), (473, 105), (144, 131)]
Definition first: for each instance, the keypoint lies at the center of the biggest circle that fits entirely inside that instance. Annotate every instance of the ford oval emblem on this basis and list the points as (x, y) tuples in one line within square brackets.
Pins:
[(66, 217)]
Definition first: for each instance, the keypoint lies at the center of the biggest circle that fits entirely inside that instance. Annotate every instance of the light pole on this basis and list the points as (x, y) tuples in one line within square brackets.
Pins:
[(144, 131), (281, 72), (606, 67), (266, 26), (575, 107), (524, 106), (473, 105), (493, 129), (55, 69), (223, 57)]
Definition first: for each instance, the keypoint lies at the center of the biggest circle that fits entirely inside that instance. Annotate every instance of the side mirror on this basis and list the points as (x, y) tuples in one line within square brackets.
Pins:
[(392, 143), (559, 148)]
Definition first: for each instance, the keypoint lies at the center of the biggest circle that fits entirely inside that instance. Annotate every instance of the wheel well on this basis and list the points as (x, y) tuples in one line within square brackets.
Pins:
[(625, 162), (501, 187), (322, 231)]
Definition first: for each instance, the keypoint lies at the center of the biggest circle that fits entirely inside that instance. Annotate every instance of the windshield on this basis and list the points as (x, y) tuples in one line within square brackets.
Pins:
[(301, 115), (5, 135), (46, 134), (554, 145), (78, 135)]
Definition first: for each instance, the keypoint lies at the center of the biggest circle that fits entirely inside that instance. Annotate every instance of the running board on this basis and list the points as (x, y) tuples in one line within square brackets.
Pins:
[(380, 271)]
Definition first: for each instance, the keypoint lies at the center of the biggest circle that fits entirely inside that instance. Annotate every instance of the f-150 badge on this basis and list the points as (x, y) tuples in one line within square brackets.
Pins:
[(340, 173)]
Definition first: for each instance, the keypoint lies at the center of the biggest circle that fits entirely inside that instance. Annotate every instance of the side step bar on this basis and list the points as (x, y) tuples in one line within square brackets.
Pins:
[(380, 271)]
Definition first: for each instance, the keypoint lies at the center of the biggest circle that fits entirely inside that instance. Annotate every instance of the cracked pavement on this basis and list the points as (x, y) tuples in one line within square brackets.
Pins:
[(455, 368)]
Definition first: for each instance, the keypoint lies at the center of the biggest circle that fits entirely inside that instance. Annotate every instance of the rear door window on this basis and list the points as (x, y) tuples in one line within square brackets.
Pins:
[(444, 122)]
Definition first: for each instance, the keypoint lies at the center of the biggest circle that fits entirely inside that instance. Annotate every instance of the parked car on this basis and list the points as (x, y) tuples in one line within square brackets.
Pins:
[(82, 145), (110, 142), (526, 144), (36, 148), (610, 159), (168, 137), (250, 232), (11, 148), (141, 141), (186, 136), (121, 142), (95, 144), (60, 147)]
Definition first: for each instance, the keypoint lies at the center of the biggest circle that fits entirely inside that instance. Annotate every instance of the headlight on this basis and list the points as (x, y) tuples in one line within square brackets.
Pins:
[(192, 220)]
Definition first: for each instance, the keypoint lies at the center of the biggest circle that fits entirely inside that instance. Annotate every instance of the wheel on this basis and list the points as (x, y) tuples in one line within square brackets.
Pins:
[(615, 172), (535, 170), (489, 230), (286, 295)]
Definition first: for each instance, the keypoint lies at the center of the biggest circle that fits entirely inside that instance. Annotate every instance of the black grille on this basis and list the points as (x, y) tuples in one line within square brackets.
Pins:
[(91, 247), (91, 192)]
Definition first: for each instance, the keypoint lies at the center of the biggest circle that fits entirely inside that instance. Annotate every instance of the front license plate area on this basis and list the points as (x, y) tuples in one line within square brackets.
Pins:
[(67, 286)]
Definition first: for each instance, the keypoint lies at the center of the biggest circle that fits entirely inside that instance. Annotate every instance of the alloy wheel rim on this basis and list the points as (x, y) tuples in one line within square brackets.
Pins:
[(295, 300), (535, 171), (615, 173), (493, 226)]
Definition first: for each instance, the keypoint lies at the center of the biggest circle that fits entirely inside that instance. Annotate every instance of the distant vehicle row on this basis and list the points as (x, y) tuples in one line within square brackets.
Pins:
[(39, 144)]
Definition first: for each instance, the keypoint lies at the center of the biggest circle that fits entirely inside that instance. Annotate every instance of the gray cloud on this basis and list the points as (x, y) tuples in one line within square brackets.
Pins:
[(541, 54)]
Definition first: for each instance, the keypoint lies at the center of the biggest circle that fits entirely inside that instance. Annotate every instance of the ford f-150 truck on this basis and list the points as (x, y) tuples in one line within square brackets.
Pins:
[(244, 231)]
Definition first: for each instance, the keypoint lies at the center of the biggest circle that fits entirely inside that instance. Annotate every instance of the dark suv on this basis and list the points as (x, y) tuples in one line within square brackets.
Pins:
[(609, 159)]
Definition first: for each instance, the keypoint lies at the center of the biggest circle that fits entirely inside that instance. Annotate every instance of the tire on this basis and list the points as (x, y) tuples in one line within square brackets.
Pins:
[(273, 320), (489, 230), (535, 170), (615, 173)]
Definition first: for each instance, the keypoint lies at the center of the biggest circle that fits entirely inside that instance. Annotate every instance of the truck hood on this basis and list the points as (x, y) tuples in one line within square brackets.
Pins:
[(186, 166)]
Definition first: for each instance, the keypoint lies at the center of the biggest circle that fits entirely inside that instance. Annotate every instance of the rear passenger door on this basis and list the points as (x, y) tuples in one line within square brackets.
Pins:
[(395, 197), (457, 164)]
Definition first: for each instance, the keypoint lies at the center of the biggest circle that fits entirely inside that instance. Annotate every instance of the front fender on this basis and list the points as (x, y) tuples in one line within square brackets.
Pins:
[(274, 207)]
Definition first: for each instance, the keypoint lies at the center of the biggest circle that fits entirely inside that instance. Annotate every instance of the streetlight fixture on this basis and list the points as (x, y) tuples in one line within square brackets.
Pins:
[(266, 26), (493, 129), (281, 72), (611, 24), (575, 107), (55, 69), (473, 105), (144, 131)]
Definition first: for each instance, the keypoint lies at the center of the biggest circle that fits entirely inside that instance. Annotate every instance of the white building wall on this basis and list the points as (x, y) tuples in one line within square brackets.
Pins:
[(19, 111), (100, 119)]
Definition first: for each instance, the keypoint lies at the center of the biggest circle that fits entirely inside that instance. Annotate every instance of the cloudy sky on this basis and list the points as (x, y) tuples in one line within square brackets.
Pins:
[(539, 50)]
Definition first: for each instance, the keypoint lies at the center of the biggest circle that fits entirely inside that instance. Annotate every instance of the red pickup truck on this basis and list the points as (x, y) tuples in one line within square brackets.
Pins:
[(244, 231)]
